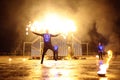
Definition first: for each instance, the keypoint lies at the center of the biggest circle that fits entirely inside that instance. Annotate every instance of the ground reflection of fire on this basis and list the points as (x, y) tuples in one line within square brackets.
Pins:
[(103, 78), (103, 65)]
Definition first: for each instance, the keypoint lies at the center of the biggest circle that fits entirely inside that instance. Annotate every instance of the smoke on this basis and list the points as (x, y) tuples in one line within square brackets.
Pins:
[(95, 19)]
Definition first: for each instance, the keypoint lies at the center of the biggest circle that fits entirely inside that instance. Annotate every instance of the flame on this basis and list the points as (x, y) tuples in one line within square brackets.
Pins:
[(97, 56), (24, 59), (10, 59), (109, 56), (104, 66), (55, 24)]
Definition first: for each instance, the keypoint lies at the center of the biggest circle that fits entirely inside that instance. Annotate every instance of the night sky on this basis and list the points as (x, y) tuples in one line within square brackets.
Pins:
[(97, 20)]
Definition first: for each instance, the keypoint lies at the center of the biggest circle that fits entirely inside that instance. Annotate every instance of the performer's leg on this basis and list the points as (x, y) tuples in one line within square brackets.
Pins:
[(99, 55), (54, 54), (44, 51)]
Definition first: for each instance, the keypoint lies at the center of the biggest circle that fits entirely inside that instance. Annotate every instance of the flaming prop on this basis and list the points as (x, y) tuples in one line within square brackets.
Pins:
[(104, 66), (55, 24)]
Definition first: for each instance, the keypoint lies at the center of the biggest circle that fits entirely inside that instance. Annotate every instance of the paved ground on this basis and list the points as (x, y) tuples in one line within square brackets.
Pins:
[(21, 68)]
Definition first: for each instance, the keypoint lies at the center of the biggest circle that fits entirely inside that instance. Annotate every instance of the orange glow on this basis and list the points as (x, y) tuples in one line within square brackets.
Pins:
[(55, 24), (24, 59), (109, 57), (103, 67), (26, 33), (27, 29), (103, 78), (97, 56), (10, 59)]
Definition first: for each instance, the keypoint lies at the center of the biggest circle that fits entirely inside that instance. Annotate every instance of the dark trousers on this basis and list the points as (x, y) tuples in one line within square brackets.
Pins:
[(100, 55), (55, 56)]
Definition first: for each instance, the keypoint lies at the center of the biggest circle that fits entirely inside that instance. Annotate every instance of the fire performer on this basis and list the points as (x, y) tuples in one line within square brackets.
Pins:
[(100, 50), (47, 43)]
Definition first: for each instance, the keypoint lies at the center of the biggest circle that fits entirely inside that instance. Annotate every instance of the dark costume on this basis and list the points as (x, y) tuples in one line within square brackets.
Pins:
[(47, 44), (56, 51), (100, 51)]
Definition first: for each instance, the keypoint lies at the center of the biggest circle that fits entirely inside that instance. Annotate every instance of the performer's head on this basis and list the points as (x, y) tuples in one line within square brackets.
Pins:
[(47, 31), (100, 43)]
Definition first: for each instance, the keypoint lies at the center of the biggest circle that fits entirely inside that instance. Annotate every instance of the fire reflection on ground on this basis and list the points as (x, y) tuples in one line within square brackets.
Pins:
[(20, 69), (103, 78)]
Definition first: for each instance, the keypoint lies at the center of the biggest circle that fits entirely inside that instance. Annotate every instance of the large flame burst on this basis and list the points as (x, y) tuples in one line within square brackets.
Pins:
[(103, 66), (53, 23)]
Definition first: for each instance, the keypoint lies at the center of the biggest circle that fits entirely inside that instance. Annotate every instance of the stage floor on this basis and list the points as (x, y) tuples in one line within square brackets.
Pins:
[(21, 68)]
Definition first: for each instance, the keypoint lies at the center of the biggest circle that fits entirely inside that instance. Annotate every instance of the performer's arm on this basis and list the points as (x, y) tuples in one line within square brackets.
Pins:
[(37, 34), (55, 35)]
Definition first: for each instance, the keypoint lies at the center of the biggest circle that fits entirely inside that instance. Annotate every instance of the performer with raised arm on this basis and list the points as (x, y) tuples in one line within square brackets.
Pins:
[(47, 44)]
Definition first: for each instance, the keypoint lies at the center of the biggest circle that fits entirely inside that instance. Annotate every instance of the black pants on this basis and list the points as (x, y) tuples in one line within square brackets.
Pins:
[(46, 47), (100, 55)]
